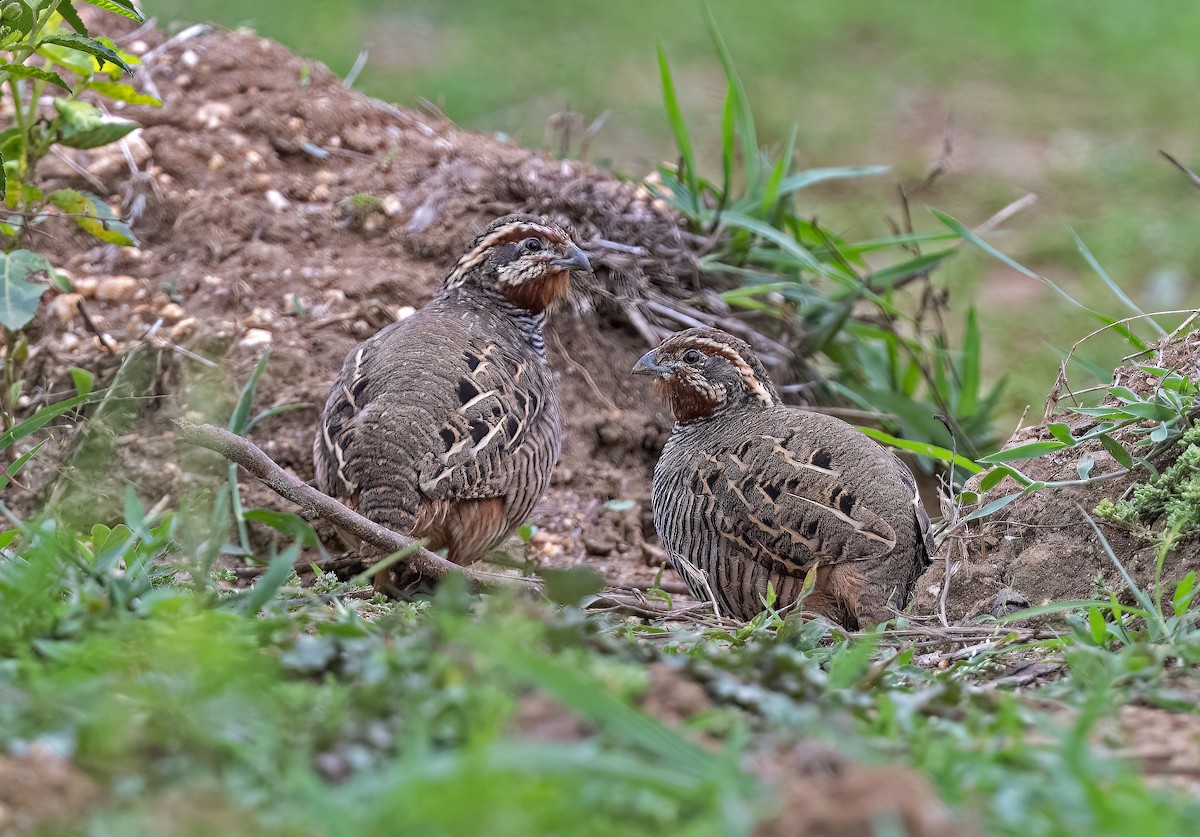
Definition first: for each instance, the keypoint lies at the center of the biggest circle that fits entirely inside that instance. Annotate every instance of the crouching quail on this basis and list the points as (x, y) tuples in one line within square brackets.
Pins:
[(749, 491), (445, 425)]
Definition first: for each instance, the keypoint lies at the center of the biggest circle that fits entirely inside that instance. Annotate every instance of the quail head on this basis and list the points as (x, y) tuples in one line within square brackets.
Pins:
[(445, 425), (749, 491)]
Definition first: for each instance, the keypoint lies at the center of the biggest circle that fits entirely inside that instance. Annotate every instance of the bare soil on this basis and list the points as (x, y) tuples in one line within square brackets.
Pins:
[(1041, 548), (279, 211), (241, 190)]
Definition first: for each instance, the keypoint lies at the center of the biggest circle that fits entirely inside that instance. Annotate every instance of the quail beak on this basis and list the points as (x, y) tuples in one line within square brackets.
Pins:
[(647, 366), (576, 260)]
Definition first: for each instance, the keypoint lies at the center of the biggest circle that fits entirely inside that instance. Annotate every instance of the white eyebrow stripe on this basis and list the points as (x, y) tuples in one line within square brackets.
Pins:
[(744, 369)]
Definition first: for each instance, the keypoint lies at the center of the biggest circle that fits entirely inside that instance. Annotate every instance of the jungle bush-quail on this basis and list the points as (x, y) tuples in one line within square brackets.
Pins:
[(445, 425), (750, 491)]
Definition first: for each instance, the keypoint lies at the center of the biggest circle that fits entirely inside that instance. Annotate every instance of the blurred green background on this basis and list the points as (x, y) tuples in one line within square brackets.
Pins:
[(1070, 100)]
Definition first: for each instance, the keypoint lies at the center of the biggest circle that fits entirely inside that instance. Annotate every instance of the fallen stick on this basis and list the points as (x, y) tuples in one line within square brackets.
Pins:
[(313, 502)]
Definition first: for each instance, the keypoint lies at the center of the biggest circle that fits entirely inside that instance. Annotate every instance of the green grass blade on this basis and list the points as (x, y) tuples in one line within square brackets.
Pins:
[(741, 106), (41, 418), (1094, 264), (934, 452), (771, 193), (804, 179), (241, 412), (19, 463), (683, 140), (268, 583), (969, 371)]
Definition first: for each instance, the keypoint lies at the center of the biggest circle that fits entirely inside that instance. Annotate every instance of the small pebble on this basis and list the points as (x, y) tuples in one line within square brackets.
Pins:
[(172, 312), (117, 288), (277, 201), (255, 337), (65, 307)]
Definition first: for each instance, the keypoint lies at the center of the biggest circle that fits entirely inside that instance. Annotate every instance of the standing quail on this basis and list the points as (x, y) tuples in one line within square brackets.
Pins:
[(750, 491), (445, 425)]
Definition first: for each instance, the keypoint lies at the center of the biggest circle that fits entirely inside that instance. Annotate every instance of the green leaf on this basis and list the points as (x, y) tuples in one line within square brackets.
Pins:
[(675, 116), (268, 583), (23, 71), (1181, 599), (41, 418), (992, 507), (124, 8), (94, 216), (771, 192), (1125, 394), (19, 463), (67, 10), (292, 525), (1153, 412), (569, 587), (1061, 432), (1116, 451), (1094, 264), (237, 421), (890, 276), (922, 448), (21, 297), (82, 125), (1098, 626), (123, 93), (85, 380), (741, 106), (969, 373), (1029, 450), (804, 179), (89, 45)]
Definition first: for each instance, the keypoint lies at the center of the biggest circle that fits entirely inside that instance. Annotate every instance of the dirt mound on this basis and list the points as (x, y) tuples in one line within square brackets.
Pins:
[(1040, 548), (278, 210)]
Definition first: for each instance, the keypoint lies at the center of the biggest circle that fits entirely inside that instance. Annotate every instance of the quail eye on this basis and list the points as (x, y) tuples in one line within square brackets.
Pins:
[(691, 356), (532, 244)]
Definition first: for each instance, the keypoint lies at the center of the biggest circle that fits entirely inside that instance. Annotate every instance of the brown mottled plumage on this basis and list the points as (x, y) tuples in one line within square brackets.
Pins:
[(750, 491), (445, 425)]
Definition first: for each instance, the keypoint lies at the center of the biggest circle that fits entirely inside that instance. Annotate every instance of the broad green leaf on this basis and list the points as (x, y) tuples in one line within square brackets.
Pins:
[(570, 586), (23, 71), (1084, 466), (1098, 626), (1116, 451), (124, 8), (1152, 412), (89, 45), (67, 10), (292, 525), (123, 93), (85, 380), (1061, 432), (1029, 450), (20, 297), (1124, 394), (94, 216), (82, 125)]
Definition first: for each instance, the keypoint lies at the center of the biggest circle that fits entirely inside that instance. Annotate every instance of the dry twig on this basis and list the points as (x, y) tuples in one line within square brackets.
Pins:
[(313, 502)]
